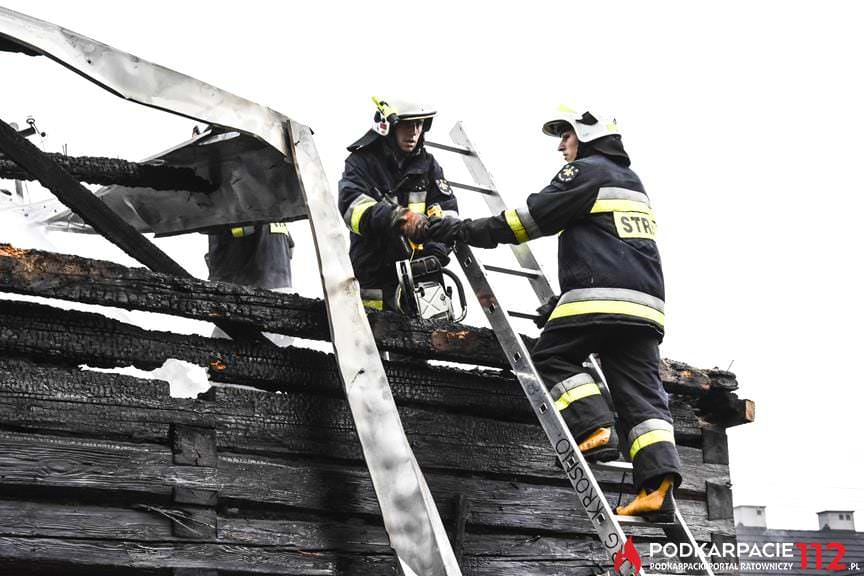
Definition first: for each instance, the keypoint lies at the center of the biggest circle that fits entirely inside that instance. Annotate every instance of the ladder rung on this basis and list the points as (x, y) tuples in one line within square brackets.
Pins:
[(471, 187), (451, 148), (526, 272), (613, 466), (640, 521), (524, 315)]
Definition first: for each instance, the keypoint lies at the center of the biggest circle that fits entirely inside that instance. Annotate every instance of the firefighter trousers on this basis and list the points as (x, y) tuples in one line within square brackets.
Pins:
[(630, 360)]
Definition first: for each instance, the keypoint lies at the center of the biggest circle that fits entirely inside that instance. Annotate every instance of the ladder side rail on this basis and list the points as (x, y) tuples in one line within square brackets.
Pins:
[(496, 204), (588, 491), (413, 523)]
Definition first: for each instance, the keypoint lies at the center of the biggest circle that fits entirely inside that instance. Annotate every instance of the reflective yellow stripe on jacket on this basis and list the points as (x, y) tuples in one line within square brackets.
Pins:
[(355, 211), (619, 301), (522, 224), (373, 298), (241, 231), (572, 389), (611, 199), (650, 432), (417, 202)]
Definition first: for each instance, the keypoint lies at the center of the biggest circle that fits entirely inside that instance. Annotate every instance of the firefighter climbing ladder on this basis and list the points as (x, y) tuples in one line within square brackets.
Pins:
[(588, 491)]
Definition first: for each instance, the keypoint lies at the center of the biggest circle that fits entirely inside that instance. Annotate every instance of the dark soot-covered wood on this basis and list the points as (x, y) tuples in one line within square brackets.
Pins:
[(60, 336), (333, 489), (99, 282), (99, 170), (243, 559), (97, 214), (256, 421), (83, 202)]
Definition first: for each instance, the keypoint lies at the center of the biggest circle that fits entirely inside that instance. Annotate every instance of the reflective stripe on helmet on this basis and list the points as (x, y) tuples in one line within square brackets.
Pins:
[(572, 389), (355, 211), (609, 301), (650, 432)]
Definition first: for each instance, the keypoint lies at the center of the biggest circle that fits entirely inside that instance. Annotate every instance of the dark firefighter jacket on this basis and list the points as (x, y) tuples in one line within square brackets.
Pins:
[(257, 256), (608, 263), (372, 184)]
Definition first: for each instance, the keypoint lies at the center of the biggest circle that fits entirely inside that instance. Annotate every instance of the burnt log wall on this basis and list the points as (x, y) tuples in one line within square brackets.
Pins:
[(103, 473)]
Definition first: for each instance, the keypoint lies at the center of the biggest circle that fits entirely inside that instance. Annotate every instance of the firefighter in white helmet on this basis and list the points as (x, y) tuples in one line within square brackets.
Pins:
[(389, 190), (611, 302)]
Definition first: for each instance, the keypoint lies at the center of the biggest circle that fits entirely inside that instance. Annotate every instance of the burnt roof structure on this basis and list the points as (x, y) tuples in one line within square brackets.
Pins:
[(308, 467), (109, 473)]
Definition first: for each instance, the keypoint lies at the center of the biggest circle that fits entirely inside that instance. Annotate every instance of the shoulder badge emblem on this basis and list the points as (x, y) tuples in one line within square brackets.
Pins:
[(444, 186), (567, 173)]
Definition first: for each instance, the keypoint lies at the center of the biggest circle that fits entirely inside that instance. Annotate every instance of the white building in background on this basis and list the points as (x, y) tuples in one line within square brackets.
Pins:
[(751, 516)]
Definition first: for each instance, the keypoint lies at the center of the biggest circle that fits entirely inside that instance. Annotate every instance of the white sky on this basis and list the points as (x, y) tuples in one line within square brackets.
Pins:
[(742, 119)]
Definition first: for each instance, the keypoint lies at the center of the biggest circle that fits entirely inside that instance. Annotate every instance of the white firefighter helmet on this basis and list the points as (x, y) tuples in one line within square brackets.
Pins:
[(389, 112), (587, 125)]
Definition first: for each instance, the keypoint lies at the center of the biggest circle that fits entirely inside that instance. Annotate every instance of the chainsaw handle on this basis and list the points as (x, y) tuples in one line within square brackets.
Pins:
[(463, 304)]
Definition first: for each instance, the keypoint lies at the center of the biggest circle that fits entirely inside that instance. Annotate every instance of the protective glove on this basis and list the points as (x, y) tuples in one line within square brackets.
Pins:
[(439, 251), (446, 230), (414, 226), (545, 310)]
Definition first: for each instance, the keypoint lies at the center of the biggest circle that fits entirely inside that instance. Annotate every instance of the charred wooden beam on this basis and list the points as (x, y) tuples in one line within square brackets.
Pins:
[(253, 421), (97, 214), (73, 337), (79, 199), (104, 171), (90, 281)]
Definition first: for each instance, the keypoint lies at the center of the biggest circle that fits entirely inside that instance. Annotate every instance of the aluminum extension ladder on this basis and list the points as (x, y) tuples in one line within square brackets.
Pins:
[(588, 492)]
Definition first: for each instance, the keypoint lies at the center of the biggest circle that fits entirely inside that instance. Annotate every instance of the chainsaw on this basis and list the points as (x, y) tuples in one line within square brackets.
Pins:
[(422, 292)]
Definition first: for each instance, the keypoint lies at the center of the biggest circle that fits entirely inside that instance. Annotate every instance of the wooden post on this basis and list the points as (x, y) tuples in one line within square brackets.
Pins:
[(194, 446)]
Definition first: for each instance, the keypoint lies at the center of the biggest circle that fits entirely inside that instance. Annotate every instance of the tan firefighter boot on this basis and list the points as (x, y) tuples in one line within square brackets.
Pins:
[(655, 505)]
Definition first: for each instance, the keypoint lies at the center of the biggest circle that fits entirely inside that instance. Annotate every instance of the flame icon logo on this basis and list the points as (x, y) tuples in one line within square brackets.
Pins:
[(627, 554)]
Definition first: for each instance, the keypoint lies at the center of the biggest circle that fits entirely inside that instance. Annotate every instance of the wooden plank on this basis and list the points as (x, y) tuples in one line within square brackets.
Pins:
[(335, 490), (242, 559), (56, 335), (260, 422), (186, 495), (78, 279), (99, 282), (83, 402), (151, 523), (142, 524)]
